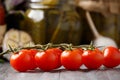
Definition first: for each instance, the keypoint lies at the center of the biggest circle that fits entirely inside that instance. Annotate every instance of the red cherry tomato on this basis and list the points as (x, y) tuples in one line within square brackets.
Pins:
[(23, 61), (71, 59), (48, 60), (111, 57), (57, 52), (33, 51), (92, 59)]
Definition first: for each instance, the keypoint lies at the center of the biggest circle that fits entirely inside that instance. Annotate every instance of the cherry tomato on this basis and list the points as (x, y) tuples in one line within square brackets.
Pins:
[(22, 61), (33, 52), (48, 60), (92, 59), (111, 57), (71, 59), (57, 52)]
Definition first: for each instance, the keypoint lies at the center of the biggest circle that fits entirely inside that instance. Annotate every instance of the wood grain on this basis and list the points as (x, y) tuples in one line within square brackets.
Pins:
[(8, 73)]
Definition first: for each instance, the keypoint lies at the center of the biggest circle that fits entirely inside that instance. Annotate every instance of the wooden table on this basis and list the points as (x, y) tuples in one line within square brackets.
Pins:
[(8, 73)]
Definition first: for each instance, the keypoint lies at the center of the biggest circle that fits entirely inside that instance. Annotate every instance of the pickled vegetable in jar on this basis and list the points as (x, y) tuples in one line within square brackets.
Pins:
[(35, 24), (69, 28), (40, 18), (36, 20), (50, 21)]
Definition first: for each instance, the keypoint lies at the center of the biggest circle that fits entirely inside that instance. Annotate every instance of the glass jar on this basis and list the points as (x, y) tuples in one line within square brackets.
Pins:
[(69, 28), (39, 18), (51, 21)]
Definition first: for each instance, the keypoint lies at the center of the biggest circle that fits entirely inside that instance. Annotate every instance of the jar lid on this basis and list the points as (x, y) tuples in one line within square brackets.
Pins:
[(68, 5), (35, 0), (46, 2)]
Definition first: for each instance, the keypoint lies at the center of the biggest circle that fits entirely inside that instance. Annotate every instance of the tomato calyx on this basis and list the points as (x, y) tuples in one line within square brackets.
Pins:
[(90, 47), (68, 47)]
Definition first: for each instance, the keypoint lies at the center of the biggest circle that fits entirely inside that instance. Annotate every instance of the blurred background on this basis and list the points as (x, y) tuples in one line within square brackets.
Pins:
[(57, 21)]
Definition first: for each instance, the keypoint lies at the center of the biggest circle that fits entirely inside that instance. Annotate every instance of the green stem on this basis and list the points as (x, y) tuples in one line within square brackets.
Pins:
[(1, 54), (63, 46), (11, 49), (91, 47)]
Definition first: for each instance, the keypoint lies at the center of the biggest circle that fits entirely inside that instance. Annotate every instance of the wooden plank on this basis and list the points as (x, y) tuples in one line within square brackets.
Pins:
[(3, 71), (8, 73), (78, 75), (113, 74), (101, 74)]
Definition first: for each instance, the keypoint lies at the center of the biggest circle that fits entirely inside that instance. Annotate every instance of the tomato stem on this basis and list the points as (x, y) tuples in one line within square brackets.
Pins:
[(69, 47), (1, 54), (91, 46), (11, 49), (48, 46), (63, 46)]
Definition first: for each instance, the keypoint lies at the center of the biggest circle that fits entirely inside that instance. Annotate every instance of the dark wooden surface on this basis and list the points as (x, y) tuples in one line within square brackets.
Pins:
[(8, 73)]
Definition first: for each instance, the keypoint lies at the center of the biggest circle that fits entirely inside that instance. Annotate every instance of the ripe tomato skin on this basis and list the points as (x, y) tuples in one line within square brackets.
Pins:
[(111, 57), (92, 59), (57, 52), (31, 52), (47, 60), (22, 61), (71, 59)]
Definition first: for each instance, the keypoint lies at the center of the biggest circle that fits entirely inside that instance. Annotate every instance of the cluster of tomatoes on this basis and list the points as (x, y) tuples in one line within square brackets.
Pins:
[(70, 58)]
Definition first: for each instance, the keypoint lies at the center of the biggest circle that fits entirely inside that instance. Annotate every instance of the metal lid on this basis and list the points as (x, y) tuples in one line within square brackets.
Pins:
[(35, 0), (46, 2)]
